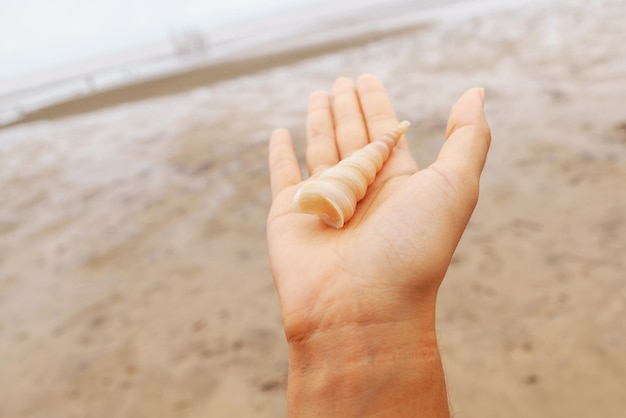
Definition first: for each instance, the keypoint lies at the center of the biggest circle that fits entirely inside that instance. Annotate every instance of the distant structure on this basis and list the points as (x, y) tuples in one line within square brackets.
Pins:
[(189, 42), (18, 110), (89, 83)]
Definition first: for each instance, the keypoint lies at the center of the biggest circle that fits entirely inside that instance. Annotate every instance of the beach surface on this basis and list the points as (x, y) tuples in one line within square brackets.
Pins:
[(134, 279)]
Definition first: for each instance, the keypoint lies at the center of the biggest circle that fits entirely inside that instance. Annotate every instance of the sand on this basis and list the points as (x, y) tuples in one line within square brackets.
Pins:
[(134, 279)]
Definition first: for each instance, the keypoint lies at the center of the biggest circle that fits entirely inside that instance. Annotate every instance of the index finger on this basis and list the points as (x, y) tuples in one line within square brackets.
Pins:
[(377, 108), (380, 116)]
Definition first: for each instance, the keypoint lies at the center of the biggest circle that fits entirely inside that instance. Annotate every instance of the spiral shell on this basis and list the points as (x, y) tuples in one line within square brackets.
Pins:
[(334, 195)]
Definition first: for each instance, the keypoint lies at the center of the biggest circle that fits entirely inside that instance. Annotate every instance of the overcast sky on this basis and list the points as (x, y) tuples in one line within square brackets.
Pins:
[(36, 35)]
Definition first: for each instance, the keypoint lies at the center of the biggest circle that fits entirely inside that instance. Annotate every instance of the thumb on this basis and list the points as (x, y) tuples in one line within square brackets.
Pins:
[(467, 137)]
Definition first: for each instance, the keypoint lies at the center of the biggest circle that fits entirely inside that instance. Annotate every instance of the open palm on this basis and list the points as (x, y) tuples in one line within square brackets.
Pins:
[(388, 261)]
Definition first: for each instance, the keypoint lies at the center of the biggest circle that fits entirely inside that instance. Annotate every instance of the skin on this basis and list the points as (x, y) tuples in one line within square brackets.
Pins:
[(358, 303)]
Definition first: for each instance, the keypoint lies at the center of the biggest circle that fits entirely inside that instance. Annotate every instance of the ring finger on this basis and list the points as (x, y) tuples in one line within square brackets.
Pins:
[(321, 150)]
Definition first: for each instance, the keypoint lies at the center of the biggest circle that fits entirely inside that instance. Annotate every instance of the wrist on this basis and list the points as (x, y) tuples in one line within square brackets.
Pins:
[(378, 369)]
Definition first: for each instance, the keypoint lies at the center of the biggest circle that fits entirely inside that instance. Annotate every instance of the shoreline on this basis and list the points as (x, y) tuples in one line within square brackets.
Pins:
[(207, 74), (312, 33)]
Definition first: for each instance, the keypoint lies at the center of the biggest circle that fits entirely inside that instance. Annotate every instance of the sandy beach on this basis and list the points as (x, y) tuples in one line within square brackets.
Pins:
[(134, 279)]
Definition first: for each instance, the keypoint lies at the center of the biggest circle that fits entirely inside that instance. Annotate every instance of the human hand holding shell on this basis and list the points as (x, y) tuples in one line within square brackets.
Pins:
[(375, 280)]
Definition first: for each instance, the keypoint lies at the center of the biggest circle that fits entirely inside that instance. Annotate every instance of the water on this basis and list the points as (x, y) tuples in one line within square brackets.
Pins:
[(68, 31), (98, 45), (280, 23)]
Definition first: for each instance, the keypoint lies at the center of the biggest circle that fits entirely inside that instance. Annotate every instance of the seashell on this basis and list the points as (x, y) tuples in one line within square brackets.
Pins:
[(334, 194)]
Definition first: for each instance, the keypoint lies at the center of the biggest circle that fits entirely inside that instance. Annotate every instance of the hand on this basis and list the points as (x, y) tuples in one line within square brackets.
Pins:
[(368, 291)]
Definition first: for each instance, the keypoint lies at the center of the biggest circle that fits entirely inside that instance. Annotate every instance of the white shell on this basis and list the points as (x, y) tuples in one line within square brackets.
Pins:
[(334, 194)]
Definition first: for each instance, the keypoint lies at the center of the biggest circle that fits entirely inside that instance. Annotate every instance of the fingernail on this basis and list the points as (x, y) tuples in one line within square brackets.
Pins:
[(481, 93)]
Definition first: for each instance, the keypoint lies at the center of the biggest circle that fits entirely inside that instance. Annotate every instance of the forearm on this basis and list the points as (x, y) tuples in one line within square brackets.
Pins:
[(381, 370)]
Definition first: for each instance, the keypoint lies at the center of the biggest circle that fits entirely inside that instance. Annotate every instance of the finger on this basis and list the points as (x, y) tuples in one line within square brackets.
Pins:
[(377, 108), (468, 137), (284, 167), (321, 149), (380, 116), (350, 131)]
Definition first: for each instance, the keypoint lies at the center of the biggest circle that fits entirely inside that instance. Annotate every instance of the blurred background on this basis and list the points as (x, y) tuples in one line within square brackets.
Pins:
[(134, 279)]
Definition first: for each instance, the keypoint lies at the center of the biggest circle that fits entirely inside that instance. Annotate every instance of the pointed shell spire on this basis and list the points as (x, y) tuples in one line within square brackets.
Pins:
[(334, 195)]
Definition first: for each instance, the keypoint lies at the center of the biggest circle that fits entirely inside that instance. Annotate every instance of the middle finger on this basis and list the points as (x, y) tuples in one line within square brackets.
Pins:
[(350, 130)]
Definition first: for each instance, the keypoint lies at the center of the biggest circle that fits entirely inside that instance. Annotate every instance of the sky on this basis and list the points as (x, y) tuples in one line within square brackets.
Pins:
[(37, 35)]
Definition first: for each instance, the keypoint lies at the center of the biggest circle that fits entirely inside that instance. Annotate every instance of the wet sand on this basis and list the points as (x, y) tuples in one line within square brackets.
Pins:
[(134, 279)]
